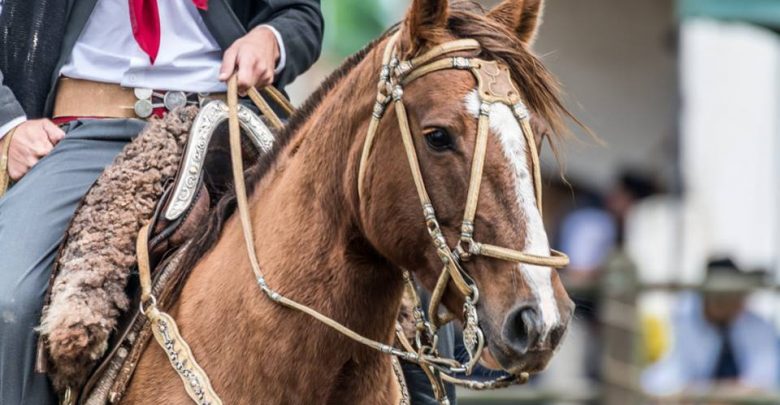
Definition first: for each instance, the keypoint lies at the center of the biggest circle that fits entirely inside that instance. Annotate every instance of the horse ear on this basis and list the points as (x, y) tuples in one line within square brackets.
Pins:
[(425, 24), (521, 16)]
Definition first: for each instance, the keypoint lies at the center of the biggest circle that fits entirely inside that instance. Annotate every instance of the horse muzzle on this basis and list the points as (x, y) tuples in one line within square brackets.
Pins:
[(524, 343)]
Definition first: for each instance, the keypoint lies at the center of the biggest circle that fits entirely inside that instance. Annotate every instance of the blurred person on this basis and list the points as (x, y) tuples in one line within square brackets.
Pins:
[(590, 234), (718, 340), (632, 186)]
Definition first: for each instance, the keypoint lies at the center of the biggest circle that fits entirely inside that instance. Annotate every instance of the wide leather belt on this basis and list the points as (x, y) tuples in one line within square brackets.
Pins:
[(86, 98)]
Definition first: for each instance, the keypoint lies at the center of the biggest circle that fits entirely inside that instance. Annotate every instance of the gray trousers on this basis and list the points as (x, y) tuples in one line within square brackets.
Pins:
[(34, 215)]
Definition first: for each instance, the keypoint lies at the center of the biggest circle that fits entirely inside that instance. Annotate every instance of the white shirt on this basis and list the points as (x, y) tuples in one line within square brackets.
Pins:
[(189, 57)]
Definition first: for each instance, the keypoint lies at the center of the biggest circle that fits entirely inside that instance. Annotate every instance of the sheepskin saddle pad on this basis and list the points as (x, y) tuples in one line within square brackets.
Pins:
[(94, 282)]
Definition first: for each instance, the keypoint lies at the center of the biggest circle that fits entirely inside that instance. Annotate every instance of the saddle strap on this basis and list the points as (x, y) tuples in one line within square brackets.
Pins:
[(167, 335), (5, 177)]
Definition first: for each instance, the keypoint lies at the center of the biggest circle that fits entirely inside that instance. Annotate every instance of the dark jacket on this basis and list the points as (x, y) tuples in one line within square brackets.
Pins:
[(298, 21)]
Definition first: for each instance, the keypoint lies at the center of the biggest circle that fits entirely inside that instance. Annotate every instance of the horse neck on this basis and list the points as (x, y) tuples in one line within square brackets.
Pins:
[(306, 211)]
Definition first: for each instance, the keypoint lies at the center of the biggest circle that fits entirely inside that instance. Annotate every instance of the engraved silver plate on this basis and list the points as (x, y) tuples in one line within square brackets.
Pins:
[(473, 338), (142, 93), (143, 108), (210, 116), (174, 100)]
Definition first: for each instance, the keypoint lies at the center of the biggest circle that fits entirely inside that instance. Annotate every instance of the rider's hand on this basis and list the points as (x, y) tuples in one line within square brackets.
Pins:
[(32, 140), (254, 56)]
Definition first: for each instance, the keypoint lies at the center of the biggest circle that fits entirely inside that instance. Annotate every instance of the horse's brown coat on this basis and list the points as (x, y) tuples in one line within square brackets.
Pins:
[(322, 246)]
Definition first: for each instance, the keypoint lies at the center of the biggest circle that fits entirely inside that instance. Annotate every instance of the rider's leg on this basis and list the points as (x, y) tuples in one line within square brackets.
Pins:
[(34, 215)]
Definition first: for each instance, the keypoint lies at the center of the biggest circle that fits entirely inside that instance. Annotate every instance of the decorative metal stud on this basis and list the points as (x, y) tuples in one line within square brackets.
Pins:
[(143, 108), (384, 74), (484, 109), (521, 111), (398, 92), (267, 290), (403, 68), (393, 64), (460, 62), (142, 93), (174, 99), (467, 229), (429, 212), (379, 110)]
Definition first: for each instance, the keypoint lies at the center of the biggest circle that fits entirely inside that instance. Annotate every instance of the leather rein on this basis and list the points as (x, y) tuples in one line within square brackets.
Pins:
[(495, 86)]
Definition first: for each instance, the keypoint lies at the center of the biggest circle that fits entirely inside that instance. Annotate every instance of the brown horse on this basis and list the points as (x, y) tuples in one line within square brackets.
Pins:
[(322, 245)]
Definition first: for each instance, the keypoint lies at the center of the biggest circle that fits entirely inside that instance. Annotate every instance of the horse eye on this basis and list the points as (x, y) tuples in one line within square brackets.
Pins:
[(439, 140)]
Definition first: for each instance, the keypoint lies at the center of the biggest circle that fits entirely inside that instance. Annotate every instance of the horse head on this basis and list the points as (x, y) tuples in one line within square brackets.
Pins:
[(500, 249)]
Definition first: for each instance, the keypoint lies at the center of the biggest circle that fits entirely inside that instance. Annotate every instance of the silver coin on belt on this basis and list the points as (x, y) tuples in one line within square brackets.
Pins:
[(174, 99), (144, 107)]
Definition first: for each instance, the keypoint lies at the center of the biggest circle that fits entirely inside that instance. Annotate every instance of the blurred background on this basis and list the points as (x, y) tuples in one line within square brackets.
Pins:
[(672, 224)]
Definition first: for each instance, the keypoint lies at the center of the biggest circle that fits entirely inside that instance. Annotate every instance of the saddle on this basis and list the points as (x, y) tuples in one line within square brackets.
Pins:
[(171, 176)]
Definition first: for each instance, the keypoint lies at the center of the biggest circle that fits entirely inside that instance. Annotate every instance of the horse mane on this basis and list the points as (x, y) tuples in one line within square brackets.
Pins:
[(466, 20)]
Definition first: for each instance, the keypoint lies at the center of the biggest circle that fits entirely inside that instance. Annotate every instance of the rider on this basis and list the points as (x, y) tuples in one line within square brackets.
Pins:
[(64, 63)]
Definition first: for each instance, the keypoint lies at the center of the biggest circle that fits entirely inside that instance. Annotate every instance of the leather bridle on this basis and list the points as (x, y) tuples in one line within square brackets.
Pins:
[(494, 86)]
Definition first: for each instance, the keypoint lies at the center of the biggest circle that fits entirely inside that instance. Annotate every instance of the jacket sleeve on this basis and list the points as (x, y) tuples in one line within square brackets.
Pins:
[(11, 111), (301, 27)]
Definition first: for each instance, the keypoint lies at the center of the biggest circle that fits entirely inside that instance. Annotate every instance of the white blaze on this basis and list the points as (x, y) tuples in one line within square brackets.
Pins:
[(504, 124)]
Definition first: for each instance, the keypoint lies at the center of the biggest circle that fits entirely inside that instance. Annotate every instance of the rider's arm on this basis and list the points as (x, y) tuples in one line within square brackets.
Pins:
[(300, 25), (32, 140), (11, 112)]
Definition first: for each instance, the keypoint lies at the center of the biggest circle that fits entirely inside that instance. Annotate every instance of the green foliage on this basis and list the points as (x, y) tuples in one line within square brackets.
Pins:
[(350, 24)]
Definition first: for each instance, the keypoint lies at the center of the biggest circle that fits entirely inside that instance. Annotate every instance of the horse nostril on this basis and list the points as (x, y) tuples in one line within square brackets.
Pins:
[(556, 335), (522, 329)]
